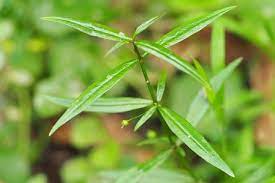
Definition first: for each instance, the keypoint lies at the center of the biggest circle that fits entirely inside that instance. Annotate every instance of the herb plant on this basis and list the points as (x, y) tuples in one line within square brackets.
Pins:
[(179, 130)]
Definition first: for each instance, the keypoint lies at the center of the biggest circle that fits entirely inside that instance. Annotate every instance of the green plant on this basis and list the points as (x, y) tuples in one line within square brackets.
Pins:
[(178, 129)]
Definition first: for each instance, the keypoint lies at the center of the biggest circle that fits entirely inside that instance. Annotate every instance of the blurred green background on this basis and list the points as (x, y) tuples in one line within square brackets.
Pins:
[(39, 58)]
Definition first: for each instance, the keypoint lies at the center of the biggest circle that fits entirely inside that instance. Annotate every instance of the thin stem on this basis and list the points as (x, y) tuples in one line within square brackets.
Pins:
[(145, 75)]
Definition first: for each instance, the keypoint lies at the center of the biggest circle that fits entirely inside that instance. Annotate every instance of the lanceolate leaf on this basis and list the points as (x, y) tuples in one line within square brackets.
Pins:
[(136, 173), (193, 139), (200, 104), (217, 48), (170, 57), (191, 27), (107, 105), (145, 25), (161, 86), (145, 117), (92, 29), (93, 92), (115, 47)]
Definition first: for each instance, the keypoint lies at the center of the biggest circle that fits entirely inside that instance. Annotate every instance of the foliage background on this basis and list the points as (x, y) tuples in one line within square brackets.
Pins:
[(38, 58)]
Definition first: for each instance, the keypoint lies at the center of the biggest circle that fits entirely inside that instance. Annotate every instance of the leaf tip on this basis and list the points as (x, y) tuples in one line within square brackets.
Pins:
[(46, 18)]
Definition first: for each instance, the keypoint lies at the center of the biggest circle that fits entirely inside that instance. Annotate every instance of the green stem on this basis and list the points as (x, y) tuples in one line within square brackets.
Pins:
[(145, 75), (151, 89)]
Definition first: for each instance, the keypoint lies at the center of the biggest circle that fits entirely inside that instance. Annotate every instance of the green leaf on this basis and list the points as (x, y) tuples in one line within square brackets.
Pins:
[(93, 92), (115, 47), (200, 69), (217, 48), (135, 174), (193, 139), (191, 27), (107, 105), (200, 104), (161, 86), (209, 91), (146, 24), (151, 141), (155, 176), (145, 117), (170, 57), (92, 28), (263, 172)]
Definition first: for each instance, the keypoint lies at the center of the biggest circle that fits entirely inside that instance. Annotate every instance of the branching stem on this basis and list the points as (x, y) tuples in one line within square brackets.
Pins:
[(145, 75)]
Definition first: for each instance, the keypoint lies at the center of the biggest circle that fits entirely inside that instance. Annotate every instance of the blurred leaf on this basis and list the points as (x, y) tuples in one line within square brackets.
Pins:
[(193, 139), (105, 156), (76, 170), (39, 178), (107, 105), (92, 29), (145, 117), (93, 92), (115, 47), (262, 172), (13, 168), (176, 97), (170, 57), (154, 176), (87, 131), (161, 86), (151, 141), (200, 104), (191, 27), (145, 25), (217, 48), (270, 180), (135, 174), (246, 144), (57, 85)]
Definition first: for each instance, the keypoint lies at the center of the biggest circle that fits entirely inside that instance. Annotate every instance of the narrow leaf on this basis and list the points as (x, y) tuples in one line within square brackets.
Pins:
[(145, 25), (161, 86), (193, 139), (152, 141), (200, 104), (200, 69), (93, 92), (92, 29), (191, 27), (115, 47), (136, 173), (209, 91), (217, 48), (263, 172), (107, 105), (155, 176), (170, 57), (145, 117)]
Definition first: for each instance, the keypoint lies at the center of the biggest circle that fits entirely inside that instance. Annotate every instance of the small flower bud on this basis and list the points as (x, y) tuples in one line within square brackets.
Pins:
[(124, 123)]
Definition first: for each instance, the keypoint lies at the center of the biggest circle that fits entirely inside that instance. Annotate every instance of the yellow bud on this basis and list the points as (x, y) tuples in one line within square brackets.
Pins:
[(124, 123)]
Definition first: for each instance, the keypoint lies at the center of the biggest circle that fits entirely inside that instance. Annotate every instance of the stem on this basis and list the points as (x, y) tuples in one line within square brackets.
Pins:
[(145, 75), (151, 90)]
